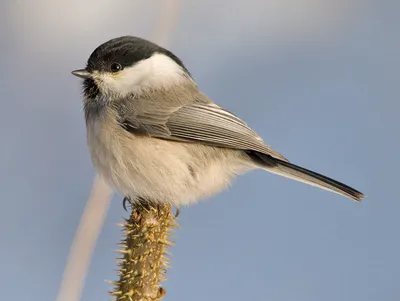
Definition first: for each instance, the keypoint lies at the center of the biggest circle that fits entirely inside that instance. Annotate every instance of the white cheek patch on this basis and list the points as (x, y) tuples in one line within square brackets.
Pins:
[(157, 71)]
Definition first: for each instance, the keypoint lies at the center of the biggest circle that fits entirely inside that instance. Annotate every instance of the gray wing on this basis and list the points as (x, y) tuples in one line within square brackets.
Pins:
[(202, 123)]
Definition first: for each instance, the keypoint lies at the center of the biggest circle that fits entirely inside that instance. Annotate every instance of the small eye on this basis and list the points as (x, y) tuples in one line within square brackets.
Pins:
[(115, 67)]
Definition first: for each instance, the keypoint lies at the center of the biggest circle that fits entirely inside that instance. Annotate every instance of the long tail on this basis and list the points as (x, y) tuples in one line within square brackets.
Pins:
[(301, 174)]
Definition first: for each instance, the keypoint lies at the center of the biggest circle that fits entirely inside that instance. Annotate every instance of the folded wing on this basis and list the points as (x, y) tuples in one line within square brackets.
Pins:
[(202, 123)]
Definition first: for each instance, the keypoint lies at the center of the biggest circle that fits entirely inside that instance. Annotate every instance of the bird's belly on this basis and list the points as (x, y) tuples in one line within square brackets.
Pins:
[(161, 170)]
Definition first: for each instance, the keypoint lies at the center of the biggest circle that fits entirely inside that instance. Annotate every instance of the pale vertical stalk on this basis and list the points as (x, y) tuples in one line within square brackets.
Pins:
[(95, 212), (85, 240), (166, 21)]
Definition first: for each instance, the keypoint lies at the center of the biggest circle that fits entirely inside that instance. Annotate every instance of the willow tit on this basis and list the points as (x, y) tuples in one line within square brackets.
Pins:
[(154, 135)]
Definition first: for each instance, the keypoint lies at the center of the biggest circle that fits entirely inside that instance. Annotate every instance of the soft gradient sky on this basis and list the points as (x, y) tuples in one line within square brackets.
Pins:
[(317, 79)]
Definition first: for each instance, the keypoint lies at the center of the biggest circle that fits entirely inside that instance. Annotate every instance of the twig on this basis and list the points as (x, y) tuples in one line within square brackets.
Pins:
[(144, 248)]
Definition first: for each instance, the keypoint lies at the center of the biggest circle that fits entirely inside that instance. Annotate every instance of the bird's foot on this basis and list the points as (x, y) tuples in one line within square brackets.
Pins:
[(178, 211), (126, 200)]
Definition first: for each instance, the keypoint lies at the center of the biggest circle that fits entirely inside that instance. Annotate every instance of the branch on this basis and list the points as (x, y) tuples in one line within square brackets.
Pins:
[(143, 264)]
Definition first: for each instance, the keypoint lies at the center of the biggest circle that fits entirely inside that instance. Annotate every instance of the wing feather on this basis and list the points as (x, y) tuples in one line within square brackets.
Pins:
[(201, 123)]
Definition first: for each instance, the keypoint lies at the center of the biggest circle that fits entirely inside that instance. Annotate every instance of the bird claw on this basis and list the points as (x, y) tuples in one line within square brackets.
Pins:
[(124, 201)]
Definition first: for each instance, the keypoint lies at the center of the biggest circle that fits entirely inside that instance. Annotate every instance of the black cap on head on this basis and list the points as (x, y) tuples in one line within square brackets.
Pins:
[(126, 51)]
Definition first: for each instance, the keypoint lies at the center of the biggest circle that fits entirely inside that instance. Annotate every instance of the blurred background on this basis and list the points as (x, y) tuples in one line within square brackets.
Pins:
[(317, 79)]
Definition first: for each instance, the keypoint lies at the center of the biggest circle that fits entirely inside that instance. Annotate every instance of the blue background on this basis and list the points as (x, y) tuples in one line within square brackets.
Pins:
[(318, 80)]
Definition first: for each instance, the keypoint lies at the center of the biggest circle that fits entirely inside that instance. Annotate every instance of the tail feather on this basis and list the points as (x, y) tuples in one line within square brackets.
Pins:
[(301, 174)]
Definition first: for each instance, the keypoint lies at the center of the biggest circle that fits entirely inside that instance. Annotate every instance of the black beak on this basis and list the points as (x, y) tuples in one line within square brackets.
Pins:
[(82, 73)]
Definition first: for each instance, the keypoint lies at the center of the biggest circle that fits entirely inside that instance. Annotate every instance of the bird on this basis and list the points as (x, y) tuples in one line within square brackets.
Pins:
[(153, 135)]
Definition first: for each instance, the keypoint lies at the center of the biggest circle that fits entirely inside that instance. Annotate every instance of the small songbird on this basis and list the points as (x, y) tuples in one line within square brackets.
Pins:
[(153, 135)]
